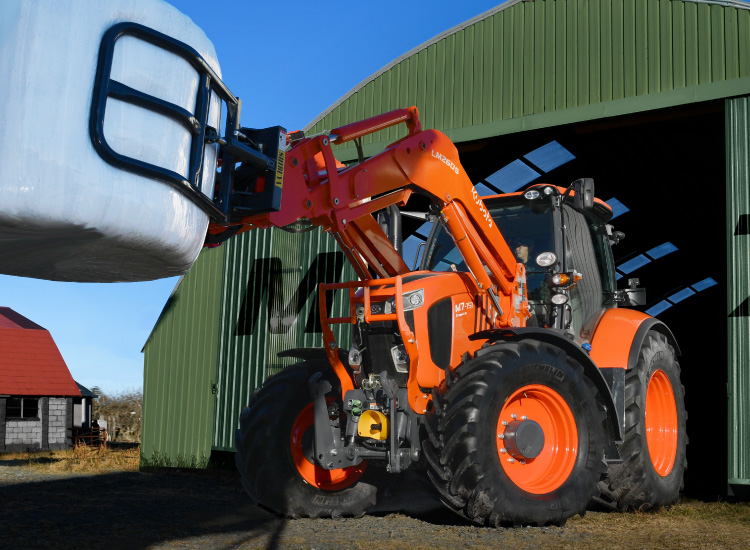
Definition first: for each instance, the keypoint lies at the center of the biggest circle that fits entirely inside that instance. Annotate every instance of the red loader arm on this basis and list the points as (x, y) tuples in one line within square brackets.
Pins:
[(342, 201)]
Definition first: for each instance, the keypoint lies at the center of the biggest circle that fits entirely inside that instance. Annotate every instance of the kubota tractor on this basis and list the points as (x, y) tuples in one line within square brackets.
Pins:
[(511, 375)]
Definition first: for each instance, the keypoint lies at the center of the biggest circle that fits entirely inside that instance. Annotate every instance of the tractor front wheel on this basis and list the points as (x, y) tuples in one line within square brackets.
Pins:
[(274, 451), (653, 452), (518, 438)]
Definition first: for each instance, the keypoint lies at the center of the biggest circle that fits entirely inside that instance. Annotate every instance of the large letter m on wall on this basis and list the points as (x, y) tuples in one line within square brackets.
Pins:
[(271, 281)]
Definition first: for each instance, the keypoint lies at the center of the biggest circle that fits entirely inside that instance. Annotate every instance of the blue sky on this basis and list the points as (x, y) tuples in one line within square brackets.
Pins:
[(288, 61)]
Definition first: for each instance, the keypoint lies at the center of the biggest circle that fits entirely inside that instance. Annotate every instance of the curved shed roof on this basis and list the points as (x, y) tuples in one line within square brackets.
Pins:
[(534, 64)]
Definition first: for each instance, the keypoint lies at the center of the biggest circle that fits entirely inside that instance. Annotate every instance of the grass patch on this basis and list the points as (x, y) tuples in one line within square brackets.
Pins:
[(689, 524), (82, 459), (163, 460)]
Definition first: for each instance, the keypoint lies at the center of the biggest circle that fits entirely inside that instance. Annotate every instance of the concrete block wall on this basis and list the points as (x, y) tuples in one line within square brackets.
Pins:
[(52, 430), (58, 426), (23, 434)]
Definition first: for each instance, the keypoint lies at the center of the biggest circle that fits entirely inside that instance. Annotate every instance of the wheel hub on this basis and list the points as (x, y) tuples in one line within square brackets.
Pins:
[(524, 439), (537, 455)]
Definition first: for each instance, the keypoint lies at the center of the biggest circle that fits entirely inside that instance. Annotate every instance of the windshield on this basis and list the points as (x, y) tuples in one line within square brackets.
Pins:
[(527, 228)]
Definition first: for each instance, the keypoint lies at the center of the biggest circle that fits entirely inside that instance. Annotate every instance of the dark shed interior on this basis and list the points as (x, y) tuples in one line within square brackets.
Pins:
[(667, 168)]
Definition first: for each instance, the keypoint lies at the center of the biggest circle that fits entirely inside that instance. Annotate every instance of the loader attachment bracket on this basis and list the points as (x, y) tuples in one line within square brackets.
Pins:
[(262, 151)]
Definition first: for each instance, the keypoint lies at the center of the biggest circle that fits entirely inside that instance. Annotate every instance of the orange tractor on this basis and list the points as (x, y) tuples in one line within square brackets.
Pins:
[(511, 376)]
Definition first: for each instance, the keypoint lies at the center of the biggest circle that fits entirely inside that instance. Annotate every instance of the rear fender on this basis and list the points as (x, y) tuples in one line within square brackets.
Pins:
[(619, 335), (616, 344), (558, 339)]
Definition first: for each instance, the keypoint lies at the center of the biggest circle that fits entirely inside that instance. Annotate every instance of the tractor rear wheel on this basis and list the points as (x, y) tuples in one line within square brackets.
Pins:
[(518, 438), (274, 451), (653, 452)]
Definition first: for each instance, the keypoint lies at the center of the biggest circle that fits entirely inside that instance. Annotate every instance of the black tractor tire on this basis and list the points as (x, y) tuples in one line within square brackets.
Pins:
[(265, 458), (465, 454), (642, 481)]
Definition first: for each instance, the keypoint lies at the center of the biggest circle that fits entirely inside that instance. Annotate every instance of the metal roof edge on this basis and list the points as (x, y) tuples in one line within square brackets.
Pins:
[(85, 392), (413, 51), (163, 311), (739, 4)]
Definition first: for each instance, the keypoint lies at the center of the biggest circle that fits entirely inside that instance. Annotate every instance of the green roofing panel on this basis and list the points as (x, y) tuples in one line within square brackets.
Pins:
[(738, 287), (179, 371), (527, 65)]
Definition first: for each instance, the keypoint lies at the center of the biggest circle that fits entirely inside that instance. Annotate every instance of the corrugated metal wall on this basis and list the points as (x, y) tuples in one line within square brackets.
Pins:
[(268, 276), (179, 370), (738, 287), (524, 66)]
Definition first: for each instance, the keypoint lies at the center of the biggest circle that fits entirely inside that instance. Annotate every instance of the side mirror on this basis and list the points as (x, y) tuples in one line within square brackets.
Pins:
[(614, 236), (584, 193), (633, 295)]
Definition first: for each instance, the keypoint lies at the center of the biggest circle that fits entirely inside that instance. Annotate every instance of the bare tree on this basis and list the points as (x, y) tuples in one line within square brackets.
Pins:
[(122, 412)]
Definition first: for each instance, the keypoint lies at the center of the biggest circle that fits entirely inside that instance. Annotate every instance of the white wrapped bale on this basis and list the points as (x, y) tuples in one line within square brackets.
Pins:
[(65, 213)]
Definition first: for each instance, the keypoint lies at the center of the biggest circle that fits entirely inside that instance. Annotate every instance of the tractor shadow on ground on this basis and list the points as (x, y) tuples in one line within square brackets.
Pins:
[(133, 510), (411, 493)]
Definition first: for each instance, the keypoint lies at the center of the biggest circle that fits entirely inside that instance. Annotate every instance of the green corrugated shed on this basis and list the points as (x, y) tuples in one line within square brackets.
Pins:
[(524, 65), (180, 365)]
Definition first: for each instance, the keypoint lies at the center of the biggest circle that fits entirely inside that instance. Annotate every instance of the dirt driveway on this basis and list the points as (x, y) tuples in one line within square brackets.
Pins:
[(199, 509)]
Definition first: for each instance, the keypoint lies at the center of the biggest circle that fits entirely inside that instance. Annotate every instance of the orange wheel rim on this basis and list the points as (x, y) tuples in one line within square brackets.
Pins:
[(549, 469), (661, 423), (328, 480)]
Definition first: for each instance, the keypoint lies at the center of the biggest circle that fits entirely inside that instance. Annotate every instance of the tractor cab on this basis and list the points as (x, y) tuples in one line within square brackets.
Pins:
[(562, 237)]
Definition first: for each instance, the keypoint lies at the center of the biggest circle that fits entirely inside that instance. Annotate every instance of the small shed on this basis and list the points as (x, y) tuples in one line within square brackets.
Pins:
[(82, 407), (37, 392)]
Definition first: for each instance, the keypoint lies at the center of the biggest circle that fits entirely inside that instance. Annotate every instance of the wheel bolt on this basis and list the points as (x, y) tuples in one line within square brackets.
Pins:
[(514, 416), (503, 450), (511, 460), (501, 436), (505, 422), (522, 461), (524, 417)]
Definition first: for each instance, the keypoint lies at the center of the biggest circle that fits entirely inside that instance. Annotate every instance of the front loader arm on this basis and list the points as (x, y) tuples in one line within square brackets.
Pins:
[(343, 200)]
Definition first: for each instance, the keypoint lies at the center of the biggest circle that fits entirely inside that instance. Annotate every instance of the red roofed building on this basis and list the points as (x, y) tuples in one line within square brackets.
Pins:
[(37, 393)]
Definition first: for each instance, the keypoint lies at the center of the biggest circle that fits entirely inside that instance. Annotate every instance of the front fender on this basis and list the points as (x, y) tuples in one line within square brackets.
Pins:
[(560, 340)]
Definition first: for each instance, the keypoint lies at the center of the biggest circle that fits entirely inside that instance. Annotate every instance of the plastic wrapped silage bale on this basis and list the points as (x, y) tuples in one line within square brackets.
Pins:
[(66, 214)]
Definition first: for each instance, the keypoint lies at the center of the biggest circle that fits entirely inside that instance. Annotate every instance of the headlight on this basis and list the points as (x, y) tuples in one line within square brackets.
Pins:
[(355, 357), (562, 279), (559, 299), (546, 259), (412, 300), (415, 299), (531, 194)]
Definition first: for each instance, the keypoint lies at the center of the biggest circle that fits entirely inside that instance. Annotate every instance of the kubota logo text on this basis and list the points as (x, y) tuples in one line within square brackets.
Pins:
[(445, 160), (480, 204)]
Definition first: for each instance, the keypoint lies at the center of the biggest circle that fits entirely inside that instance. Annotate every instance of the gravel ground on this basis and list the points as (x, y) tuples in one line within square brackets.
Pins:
[(200, 509)]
